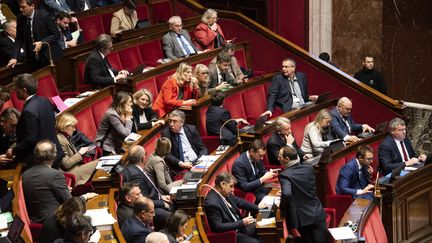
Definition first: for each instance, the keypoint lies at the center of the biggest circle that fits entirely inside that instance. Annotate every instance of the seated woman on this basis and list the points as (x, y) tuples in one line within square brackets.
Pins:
[(73, 160), (313, 142), (78, 230), (178, 90), (124, 19), (116, 124), (143, 116), (176, 226), (208, 34), (201, 73), (157, 168)]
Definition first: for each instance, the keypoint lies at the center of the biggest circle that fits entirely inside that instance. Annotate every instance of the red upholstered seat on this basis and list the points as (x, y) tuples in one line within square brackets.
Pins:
[(211, 142), (297, 128), (106, 22), (234, 103), (150, 145), (115, 61), (31, 229), (70, 179), (99, 108), (142, 12), (86, 123), (229, 163), (82, 85), (377, 226), (150, 52), (148, 84), (254, 101), (368, 232), (92, 26), (17, 103), (6, 105), (161, 78), (162, 11), (47, 86), (130, 58), (225, 237)]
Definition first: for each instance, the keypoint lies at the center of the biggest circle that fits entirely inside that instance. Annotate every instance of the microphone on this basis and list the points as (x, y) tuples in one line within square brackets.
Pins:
[(51, 62), (239, 141)]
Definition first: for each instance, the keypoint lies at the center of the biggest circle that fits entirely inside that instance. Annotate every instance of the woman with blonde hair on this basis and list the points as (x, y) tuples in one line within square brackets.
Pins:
[(201, 74), (313, 142), (143, 116), (208, 34), (179, 90), (73, 160), (158, 169)]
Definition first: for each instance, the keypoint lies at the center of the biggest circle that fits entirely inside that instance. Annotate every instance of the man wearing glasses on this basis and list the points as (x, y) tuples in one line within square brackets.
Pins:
[(354, 176)]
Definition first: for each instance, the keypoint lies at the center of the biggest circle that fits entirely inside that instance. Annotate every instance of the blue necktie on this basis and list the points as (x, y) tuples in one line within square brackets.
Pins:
[(184, 44), (180, 147)]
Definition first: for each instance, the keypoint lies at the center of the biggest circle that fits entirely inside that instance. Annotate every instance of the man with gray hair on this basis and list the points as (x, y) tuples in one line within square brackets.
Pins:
[(396, 149), (7, 43), (177, 42), (186, 143), (157, 237)]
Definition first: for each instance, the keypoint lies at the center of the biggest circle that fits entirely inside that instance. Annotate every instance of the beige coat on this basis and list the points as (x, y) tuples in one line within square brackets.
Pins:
[(121, 22), (72, 161), (158, 170)]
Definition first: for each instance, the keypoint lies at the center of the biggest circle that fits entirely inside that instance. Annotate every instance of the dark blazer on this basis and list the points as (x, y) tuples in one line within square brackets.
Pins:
[(194, 138), (274, 144), (7, 51), (299, 203), (36, 123), (134, 231), (213, 77), (136, 113), (388, 154), (216, 116), (349, 180), (217, 213), (246, 180), (171, 236), (45, 189), (172, 48), (79, 5), (6, 141), (44, 29), (96, 71), (132, 174), (51, 230), (338, 126), (124, 211), (279, 93)]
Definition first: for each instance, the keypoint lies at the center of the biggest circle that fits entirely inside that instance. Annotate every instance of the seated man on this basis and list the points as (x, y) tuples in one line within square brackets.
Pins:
[(222, 210), (8, 121), (354, 177), (129, 194), (63, 21), (220, 77), (280, 138), (343, 125), (249, 171), (299, 202), (177, 42), (98, 72), (136, 228), (396, 149), (234, 68), (7, 43), (217, 116), (288, 89), (134, 172), (186, 144)]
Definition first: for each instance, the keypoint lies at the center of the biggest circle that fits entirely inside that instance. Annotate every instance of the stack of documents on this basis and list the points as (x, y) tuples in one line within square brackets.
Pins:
[(107, 162), (101, 218)]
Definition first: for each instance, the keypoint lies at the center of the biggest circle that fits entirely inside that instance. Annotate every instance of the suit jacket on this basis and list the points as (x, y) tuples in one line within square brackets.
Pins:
[(216, 117), (79, 5), (121, 21), (44, 29), (349, 180), (246, 180), (112, 132), (51, 230), (45, 189), (159, 172), (218, 216), (124, 211), (339, 127), (389, 156), (54, 7), (96, 71), (274, 144), (280, 93), (234, 66), (171, 46), (136, 113), (36, 123), (135, 231), (194, 138), (214, 81), (7, 51), (299, 203), (204, 36), (133, 174)]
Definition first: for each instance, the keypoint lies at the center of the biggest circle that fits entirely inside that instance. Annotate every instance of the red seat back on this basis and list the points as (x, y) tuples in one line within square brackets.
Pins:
[(255, 104), (86, 123), (202, 121), (150, 145), (81, 68), (130, 58), (297, 128), (230, 162), (17, 103), (106, 22), (333, 174), (162, 11), (114, 60), (234, 103), (240, 55), (92, 26), (47, 86), (377, 226), (148, 84), (142, 12), (99, 108), (161, 78), (22, 211), (150, 52)]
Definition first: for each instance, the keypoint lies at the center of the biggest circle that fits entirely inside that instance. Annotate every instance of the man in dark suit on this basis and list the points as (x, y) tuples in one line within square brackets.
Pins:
[(45, 188), (80, 5), (37, 122), (354, 177), (177, 42), (288, 89), (55, 6), (66, 39), (299, 202), (136, 228), (7, 43), (37, 34), (8, 121), (98, 72), (396, 149), (222, 210), (217, 115), (186, 144), (280, 138), (129, 194), (134, 172), (219, 74), (249, 171)]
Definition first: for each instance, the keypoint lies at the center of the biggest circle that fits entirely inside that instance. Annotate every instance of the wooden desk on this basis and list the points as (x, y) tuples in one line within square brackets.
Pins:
[(271, 232), (357, 213), (102, 181)]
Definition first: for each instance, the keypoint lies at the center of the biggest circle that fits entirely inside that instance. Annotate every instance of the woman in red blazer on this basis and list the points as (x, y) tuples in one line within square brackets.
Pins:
[(208, 34), (178, 90)]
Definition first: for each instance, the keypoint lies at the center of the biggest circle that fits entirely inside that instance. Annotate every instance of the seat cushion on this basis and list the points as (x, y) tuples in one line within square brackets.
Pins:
[(130, 58), (91, 26), (254, 102)]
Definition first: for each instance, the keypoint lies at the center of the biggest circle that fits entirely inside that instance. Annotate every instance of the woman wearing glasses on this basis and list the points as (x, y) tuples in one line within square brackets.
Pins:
[(208, 34)]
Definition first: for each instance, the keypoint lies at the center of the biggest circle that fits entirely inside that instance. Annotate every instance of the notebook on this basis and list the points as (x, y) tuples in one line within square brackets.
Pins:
[(15, 231)]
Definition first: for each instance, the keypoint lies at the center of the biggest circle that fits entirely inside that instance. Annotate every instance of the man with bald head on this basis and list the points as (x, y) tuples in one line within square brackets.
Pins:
[(177, 42), (157, 237), (343, 125), (137, 227)]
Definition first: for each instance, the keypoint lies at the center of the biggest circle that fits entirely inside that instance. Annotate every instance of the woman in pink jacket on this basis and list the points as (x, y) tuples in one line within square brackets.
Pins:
[(208, 34)]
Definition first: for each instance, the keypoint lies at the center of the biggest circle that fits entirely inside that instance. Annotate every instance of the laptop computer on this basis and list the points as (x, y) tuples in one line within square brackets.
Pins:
[(334, 146), (321, 98), (258, 125), (193, 176), (379, 129), (15, 231), (138, 70), (142, 24)]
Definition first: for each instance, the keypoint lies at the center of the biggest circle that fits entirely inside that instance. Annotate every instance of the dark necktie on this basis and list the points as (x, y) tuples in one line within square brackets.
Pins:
[(180, 147), (404, 151), (255, 168), (184, 44)]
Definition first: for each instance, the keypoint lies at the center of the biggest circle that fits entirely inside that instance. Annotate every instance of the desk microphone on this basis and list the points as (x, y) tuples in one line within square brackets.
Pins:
[(239, 141), (51, 62)]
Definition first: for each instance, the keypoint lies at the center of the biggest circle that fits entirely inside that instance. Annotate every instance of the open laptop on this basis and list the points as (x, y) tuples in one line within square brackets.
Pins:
[(258, 125), (15, 231), (138, 70), (144, 23), (321, 98), (379, 129), (334, 146)]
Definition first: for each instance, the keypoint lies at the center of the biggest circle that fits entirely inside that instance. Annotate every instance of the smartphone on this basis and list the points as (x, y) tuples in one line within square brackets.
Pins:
[(189, 237)]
